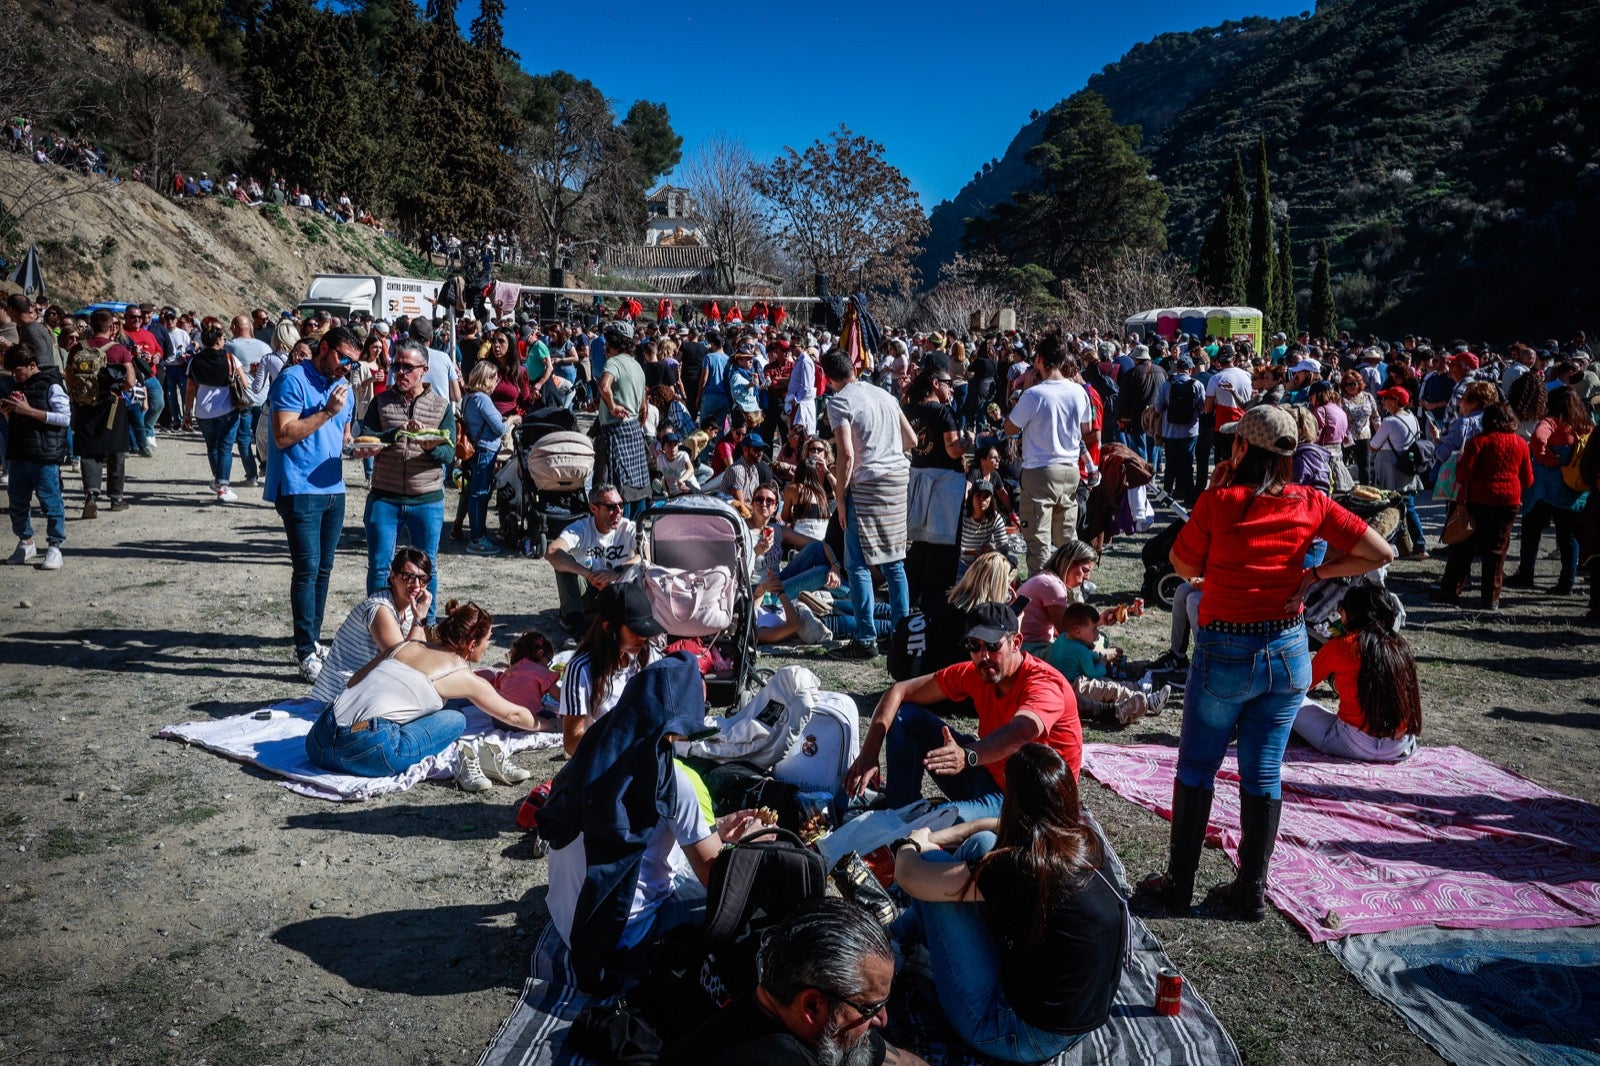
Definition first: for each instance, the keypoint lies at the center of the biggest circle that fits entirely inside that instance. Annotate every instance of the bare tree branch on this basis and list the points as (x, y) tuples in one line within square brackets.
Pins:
[(731, 218)]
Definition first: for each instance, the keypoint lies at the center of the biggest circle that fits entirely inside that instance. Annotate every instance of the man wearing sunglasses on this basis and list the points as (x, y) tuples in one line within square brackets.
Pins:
[(1017, 697), (822, 998), (590, 554)]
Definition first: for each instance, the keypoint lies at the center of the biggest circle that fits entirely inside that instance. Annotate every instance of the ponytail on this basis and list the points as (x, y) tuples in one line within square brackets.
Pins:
[(1386, 682)]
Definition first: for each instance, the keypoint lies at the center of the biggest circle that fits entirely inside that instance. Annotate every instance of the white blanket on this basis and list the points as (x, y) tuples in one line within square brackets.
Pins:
[(278, 745)]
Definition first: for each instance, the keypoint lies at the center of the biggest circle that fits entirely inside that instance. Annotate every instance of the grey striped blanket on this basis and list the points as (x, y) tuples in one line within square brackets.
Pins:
[(879, 507)]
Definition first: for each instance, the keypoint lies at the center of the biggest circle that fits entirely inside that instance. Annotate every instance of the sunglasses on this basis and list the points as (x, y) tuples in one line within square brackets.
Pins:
[(942, 381), (767, 501), (974, 646), (866, 1010), (410, 576), (609, 506), (406, 368)]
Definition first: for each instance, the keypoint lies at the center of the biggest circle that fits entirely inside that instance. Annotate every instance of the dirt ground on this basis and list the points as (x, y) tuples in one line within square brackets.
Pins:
[(165, 905)]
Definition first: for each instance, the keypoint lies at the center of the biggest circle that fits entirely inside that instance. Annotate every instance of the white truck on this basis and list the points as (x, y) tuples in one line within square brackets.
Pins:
[(381, 297)]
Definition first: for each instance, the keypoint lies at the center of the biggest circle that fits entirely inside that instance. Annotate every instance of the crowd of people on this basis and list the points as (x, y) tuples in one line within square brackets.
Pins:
[(943, 502)]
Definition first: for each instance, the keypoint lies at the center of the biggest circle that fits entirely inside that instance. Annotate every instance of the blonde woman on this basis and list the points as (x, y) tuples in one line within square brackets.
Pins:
[(938, 643), (483, 425)]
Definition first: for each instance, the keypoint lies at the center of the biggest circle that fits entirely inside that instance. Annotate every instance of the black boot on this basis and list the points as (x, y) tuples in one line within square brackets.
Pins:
[(1246, 895), (1174, 889)]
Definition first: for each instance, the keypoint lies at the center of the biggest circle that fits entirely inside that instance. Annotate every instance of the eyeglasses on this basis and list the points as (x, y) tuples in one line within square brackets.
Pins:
[(867, 1011), (406, 368), (608, 506), (409, 576), (974, 646)]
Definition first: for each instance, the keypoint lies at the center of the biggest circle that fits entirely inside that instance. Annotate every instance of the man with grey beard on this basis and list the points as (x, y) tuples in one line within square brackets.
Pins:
[(820, 1001)]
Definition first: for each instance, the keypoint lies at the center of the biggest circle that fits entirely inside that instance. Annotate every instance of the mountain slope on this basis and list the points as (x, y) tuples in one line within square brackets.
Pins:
[(1448, 151)]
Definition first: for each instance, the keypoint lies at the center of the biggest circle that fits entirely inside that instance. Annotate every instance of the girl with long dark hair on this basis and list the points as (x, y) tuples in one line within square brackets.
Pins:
[(616, 647), (1025, 932), (1380, 704)]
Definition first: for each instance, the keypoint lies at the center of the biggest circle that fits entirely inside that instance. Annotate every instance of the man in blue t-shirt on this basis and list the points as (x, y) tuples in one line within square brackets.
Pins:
[(714, 399), (305, 480)]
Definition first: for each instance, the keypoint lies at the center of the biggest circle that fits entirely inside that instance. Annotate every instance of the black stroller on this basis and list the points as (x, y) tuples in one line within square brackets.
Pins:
[(542, 491), (1161, 581)]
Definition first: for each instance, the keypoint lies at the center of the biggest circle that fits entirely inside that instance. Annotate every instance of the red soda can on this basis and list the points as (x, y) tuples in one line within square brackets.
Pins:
[(1169, 992)]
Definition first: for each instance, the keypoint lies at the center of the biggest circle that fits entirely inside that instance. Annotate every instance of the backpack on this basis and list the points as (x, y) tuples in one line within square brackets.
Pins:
[(84, 368), (1183, 403), (756, 882), (1571, 470)]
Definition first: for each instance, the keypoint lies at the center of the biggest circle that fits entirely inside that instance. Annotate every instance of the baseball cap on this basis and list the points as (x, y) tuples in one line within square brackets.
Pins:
[(627, 603), (753, 440), (1395, 392), (1270, 428), (1183, 362), (991, 621), (671, 438), (982, 486), (1466, 359), (1280, 336), (1308, 366)]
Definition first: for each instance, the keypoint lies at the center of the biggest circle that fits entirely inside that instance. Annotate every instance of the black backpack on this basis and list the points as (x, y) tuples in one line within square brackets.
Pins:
[(758, 881), (1183, 403)]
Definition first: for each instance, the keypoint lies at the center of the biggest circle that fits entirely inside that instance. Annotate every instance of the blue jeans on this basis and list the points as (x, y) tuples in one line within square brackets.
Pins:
[(479, 488), (807, 571), (917, 731), (157, 404), (384, 750), (1179, 478), (966, 973), (1142, 444), (1251, 683), (43, 479), (313, 523), (715, 410), (894, 575), (245, 436), (219, 434), (1419, 542), (423, 523)]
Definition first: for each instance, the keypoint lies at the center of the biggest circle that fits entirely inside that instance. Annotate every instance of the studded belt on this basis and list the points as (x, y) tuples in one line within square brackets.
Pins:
[(1255, 629)]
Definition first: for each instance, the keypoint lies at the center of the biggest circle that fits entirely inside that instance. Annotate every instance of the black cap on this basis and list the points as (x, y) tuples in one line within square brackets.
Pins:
[(991, 621), (627, 603)]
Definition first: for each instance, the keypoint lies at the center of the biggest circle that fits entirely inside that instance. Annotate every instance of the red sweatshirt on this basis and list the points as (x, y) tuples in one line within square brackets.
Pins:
[(1495, 469)]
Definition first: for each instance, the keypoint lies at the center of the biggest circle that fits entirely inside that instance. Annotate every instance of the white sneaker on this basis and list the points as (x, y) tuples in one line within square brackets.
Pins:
[(1132, 708), (227, 495), (497, 765), (469, 774), (322, 650), (1158, 700), (52, 559), (310, 667), (24, 554)]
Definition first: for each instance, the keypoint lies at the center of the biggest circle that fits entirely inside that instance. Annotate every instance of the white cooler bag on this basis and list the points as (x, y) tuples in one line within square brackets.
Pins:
[(691, 603)]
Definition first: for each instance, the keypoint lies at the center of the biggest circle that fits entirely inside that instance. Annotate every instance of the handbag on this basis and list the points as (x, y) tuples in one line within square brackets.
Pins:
[(614, 1032), (238, 387), (464, 447), (1459, 526), (691, 603)]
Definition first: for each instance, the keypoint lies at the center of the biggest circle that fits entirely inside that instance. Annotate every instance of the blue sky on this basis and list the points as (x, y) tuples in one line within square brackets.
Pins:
[(943, 85)]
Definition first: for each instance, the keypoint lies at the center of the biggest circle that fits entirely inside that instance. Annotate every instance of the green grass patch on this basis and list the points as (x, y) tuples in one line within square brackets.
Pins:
[(193, 815), (13, 819), (312, 232), (140, 264), (237, 851), (63, 841)]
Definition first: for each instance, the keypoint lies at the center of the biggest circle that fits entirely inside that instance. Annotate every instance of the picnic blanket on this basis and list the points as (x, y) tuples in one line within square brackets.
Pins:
[(278, 745), (1444, 838), (535, 1034), (1490, 997)]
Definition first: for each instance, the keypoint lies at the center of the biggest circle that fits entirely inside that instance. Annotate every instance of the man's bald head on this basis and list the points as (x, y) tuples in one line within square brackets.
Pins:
[(242, 326)]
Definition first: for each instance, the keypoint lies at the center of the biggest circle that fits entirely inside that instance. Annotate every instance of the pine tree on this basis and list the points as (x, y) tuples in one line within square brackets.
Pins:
[(1288, 309), (487, 31), (1259, 286), (1225, 256), (1323, 319)]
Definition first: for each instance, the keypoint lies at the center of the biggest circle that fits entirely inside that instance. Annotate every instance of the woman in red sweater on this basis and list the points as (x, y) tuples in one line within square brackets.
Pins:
[(1494, 470)]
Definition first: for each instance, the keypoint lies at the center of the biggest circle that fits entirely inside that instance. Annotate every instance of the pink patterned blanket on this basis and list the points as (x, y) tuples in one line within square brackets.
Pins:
[(1443, 838)]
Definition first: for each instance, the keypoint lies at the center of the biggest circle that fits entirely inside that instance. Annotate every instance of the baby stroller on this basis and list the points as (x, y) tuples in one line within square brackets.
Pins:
[(699, 564), (543, 490), (1161, 581)]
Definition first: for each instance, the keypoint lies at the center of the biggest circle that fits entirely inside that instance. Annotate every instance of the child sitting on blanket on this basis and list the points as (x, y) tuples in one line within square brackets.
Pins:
[(1083, 660), (1380, 705), (528, 679)]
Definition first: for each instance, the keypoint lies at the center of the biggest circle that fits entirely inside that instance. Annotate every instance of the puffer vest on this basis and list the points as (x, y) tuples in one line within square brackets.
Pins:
[(31, 440), (406, 468)]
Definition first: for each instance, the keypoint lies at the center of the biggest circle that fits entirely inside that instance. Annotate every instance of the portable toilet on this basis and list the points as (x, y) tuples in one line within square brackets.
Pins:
[(1244, 322), (1192, 320), (1217, 322), (1143, 323), (1167, 323)]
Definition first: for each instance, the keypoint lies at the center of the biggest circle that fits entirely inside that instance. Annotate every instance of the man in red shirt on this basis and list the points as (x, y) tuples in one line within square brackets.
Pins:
[(1019, 699)]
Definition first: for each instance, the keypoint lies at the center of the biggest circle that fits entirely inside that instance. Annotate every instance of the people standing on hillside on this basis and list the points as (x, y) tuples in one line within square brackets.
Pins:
[(871, 438), (305, 480), (1052, 418), (248, 352)]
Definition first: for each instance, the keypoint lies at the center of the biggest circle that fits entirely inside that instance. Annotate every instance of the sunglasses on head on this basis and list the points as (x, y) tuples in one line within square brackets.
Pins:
[(974, 645)]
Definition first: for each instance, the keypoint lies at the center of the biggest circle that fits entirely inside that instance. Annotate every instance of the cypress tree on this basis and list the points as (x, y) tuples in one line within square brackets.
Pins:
[(1323, 319), (1225, 256), (1283, 283), (1259, 286)]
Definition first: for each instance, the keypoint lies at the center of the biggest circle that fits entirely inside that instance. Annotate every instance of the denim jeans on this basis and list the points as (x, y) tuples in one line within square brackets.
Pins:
[(219, 434), (894, 575), (245, 435), (714, 409), (44, 479), (312, 523), (1419, 542), (1253, 683), (157, 404), (177, 378), (966, 973), (807, 571), (384, 518), (917, 731), (384, 750), (1142, 444), (479, 488), (1179, 479)]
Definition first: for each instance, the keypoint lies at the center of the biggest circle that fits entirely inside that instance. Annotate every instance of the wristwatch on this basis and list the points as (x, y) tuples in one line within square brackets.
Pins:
[(972, 757)]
